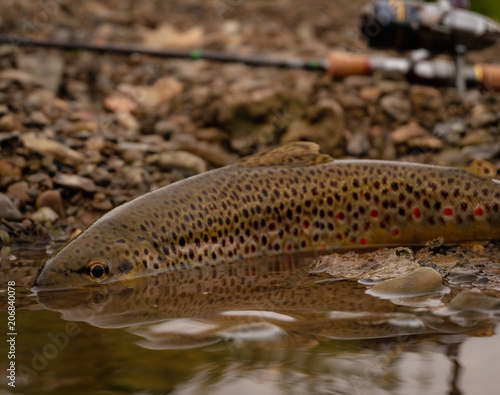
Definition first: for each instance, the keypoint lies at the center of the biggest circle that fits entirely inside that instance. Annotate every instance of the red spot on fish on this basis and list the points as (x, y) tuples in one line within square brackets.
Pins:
[(395, 232), (340, 216), (374, 213), (416, 212), (479, 211), (448, 211), (362, 241), (272, 226), (288, 247), (305, 224), (322, 246)]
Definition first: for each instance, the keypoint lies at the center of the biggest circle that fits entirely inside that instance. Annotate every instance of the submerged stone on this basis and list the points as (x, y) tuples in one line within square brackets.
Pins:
[(475, 301)]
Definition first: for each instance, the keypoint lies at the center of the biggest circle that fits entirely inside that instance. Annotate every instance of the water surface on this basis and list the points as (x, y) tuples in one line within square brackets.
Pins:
[(267, 327)]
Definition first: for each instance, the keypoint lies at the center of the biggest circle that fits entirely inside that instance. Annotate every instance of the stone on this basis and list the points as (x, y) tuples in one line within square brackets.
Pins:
[(422, 281), (358, 144), (74, 181), (8, 210), (406, 132), (43, 66), (45, 214), (397, 106), (19, 190), (52, 199), (51, 148), (450, 131), (182, 160)]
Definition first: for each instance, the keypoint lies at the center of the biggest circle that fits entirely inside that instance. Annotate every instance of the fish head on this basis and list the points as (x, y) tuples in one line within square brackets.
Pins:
[(94, 257)]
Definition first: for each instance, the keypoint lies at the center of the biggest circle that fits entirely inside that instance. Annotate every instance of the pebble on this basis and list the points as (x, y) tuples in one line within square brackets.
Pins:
[(8, 210), (422, 281), (406, 132), (19, 190), (45, 214), (52, 148), (182, 160), (52, 199), (450, 131), (397, 107), (74, 181)]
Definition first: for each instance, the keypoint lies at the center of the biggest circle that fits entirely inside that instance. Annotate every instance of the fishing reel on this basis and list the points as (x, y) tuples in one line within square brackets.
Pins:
[(435, 27)]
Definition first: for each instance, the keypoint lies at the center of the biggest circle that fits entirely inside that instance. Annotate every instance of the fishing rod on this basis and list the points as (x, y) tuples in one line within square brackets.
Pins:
[(195, 54), (338, 64)]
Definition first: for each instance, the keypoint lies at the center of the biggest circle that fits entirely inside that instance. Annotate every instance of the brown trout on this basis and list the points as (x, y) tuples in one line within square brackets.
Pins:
[(287, 200)]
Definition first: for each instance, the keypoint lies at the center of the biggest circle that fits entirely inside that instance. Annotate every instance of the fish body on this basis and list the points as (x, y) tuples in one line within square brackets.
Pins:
[(287, 200)]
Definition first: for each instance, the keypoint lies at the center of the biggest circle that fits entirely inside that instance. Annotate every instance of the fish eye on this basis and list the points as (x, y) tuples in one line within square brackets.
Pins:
[(97, 269)]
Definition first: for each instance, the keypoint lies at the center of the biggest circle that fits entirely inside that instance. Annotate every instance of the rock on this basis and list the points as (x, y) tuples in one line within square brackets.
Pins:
[(428, 142), (450, 131), (8, 123), (182, 160), (397, 106), (52, 199), (425, 97), (44, 67), (167, 127), (8, 210), (325, 126), (104, 205), (478, 136), (53, 149), (39, 118), (8, 172), (167, 35), (45, 214), (422, 281), (381, 264), (407, 132), (481, 151), (101, 176), (74, 181), (19, 191), (358, 144), (474, 300), (481, 116)]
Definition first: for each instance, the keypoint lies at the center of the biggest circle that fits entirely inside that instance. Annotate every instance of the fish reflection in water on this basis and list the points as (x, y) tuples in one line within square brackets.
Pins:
[(265, 301)]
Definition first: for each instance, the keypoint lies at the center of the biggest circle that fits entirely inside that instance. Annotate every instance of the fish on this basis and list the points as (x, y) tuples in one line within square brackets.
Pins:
[(287, 200)]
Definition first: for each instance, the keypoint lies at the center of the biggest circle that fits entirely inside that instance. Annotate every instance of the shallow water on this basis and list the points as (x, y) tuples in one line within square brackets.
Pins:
[(267, 327)]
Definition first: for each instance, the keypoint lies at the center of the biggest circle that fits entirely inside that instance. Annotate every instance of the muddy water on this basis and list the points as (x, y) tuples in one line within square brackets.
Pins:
[(267, 327)]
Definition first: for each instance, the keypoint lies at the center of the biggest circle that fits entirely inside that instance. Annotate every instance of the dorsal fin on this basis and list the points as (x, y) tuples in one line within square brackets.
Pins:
[(482, 169), (299, 153)]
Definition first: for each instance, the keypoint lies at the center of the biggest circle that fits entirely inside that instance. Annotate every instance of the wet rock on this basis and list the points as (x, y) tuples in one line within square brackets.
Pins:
[(53, 149), (474, 300), (52, 199), (19, 191), (8, 210), (397, 106), (101, 176), (382, 264), (421, 281), (427, 142), (74, 181), (45, 214)]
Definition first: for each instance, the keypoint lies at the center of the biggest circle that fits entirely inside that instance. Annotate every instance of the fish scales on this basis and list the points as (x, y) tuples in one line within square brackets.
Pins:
[(288, 200)]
